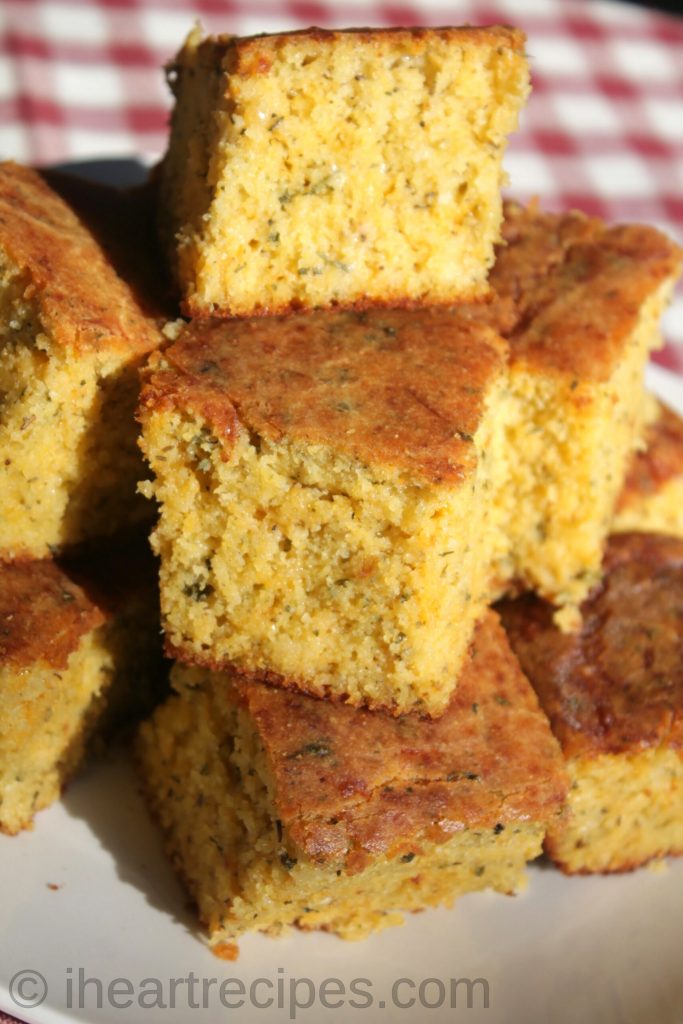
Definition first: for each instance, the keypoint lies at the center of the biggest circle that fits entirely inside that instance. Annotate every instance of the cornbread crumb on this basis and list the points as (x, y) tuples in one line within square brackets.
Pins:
[(614, 697), (348, 168), (652, 496), (71, 661), (580, 305), (72, 335), (328, 486), (280, 809)]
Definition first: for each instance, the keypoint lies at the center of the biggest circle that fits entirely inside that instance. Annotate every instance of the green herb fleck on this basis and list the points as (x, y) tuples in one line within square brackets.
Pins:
[(317, 748)]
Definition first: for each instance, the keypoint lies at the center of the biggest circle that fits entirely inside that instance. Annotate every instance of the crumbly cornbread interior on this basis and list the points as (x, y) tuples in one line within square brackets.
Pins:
[(321, 168), (69, 439), (579, 304), (68, 669), (578, 437), (48, 715), (346, 579), (623, 810), (208, 783)]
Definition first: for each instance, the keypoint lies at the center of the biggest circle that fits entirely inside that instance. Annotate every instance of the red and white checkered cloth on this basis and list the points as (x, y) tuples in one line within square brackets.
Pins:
[(603, 130)]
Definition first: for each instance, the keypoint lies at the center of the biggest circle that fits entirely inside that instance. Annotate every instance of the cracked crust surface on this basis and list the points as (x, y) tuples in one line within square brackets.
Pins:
[(349, 779), (398, 387)]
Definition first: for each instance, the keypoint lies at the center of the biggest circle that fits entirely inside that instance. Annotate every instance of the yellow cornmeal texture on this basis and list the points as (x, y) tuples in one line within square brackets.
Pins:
[(652, 498), (577, 437), (223, 838), (624, 809), (70, 463), (47, 717), (346, 575), (584, 326), (334, 168), (72, 336), (48, 714)]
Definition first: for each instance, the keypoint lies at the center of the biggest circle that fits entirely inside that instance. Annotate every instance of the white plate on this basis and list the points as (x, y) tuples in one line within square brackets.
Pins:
[(586, 950)]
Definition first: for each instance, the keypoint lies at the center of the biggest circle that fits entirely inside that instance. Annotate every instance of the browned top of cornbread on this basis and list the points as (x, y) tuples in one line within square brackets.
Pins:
[(254, 55), (83, 302), (617, 685), (400, 387), (354, 783), (43, 614), (660, 462), (567, 290)]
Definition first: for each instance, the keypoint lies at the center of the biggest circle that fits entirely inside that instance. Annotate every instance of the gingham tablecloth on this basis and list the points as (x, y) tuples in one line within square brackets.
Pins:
[(603, 130)]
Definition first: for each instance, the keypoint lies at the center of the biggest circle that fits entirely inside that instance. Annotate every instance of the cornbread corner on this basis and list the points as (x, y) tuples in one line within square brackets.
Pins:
[(327, 486), (580, 304), (614, 697), (280, 809), (338, 168), (74, 659), (651, 499), (72, 335)]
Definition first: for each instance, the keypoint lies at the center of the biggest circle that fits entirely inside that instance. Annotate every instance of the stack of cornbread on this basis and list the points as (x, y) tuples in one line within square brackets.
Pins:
[(395, 402), (79, 644), (414, 504)]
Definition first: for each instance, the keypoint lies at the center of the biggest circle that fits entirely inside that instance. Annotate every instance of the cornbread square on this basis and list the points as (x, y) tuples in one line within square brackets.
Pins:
[(327, 486), (280, 809), (72, 335), (580, 305), (651, 499), (74, 658), (614, 697), (338, 168)]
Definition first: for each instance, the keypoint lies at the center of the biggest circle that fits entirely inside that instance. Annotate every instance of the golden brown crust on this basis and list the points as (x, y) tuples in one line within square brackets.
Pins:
[(47, 605), (580, 317), (569, 290), (43, 614), (357, 783), (400, 388), (83, 303), (617, 685), (660, 462), (254, 54)]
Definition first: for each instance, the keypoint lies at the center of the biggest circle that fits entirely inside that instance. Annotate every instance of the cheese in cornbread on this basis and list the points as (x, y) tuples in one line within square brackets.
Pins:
[(614, 697), (580, 305), (651, 499), (72, 335), (338, 168), (280, 809), (75, 656), (327, 486)]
